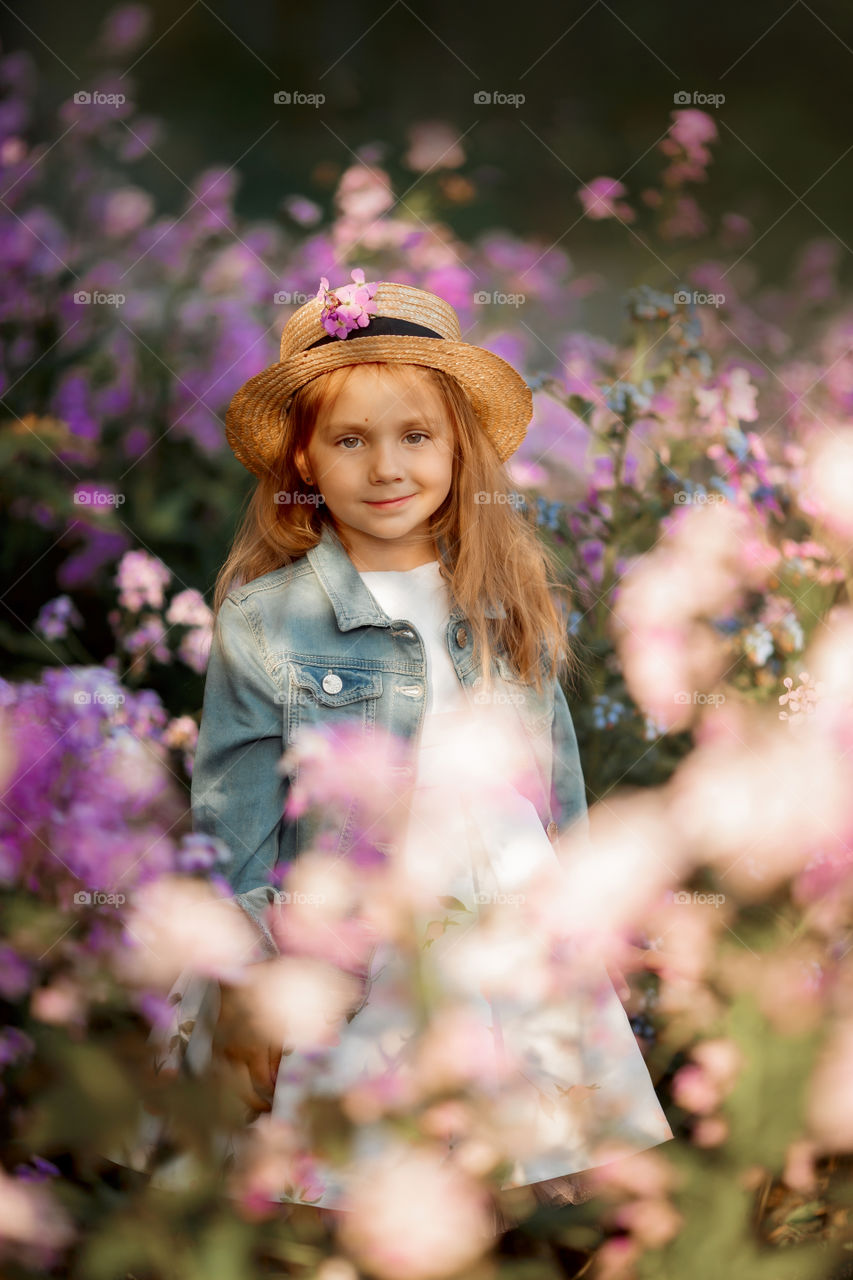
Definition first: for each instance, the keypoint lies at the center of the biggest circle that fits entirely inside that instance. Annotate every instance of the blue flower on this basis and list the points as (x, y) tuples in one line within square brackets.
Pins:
[(606, 712)]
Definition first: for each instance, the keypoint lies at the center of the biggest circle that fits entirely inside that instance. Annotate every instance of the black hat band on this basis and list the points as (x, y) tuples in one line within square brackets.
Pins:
[(380, 327)]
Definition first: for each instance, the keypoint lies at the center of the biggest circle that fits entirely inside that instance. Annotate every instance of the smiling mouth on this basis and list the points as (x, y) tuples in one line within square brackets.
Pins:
[(392, 502)]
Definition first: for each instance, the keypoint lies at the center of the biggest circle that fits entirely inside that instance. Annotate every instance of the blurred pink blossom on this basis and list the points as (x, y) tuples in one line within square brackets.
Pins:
[(140, 579), (830, 1095), (730, 400), (433, 144), (181, 733), (33, 1225), (685, 142), (457, 1048), (126, 211), (710, 1131), (829, 480), (600, 199), (754, 800), (174, 924), (300, 1001), (650, 1221), (194, 648), (413, 1216)]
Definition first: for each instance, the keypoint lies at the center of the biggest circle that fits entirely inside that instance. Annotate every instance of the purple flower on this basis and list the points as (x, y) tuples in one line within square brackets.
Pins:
[(56, 616), (14, 1044), (38, 1170), (14, 974), (350, 307), (100, 546), (124, 28), (199, 852), (302, 210)]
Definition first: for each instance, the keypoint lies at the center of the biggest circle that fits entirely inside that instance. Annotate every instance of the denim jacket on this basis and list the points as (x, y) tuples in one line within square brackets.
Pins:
[(307, 644)]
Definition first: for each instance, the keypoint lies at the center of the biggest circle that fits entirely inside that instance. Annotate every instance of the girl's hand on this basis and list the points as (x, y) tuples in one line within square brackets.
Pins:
[(252, 1059)]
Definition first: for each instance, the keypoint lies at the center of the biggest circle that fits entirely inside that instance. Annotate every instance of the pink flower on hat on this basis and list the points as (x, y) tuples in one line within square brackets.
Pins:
[(349, 307)]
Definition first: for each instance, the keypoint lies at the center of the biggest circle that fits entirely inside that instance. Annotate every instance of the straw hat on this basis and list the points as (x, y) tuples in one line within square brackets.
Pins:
[(375, 321)]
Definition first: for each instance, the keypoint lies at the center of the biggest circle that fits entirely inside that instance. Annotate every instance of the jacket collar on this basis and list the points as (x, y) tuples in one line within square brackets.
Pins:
[(353, 604)]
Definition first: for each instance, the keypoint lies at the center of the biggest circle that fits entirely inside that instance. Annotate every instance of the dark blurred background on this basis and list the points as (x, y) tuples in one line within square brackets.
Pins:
[(599, 81)]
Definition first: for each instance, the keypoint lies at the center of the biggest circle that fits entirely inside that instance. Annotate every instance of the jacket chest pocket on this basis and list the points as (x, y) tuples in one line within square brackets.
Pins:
[(327, 693)]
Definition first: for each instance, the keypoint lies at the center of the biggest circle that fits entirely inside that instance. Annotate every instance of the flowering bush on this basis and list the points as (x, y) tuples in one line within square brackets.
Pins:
[(693, 478)]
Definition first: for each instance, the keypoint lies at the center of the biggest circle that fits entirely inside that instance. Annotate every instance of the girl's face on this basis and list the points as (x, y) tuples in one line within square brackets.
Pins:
[(382, 459)]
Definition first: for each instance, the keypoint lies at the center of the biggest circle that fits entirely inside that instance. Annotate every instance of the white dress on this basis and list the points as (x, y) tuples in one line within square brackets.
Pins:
[(490, 840)]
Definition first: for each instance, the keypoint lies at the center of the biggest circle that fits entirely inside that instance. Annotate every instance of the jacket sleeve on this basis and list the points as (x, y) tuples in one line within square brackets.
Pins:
[(568, 800), (237, 793)]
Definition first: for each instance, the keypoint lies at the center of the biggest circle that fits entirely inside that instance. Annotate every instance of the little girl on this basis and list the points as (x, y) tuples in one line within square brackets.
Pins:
[(383, 579)]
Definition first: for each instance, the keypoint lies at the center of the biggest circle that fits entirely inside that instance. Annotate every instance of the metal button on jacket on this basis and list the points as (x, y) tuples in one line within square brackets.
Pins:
[(332, 683), (461, 637)]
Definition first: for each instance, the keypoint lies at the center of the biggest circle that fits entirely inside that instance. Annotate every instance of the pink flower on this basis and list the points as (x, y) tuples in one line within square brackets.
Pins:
[(350, 307), (181, 733), (412, 1217), (434, 145), (710, 1131), (693, 1089), (30, 1218), (140, 580), (685, 220), (692, 129), (149, 637), (194, 648), (651, 1221), (729, 400), (188, 607), (829, 1107), (599, 200)]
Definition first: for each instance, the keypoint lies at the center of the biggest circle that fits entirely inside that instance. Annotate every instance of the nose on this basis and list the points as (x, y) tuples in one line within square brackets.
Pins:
[(386, 466)]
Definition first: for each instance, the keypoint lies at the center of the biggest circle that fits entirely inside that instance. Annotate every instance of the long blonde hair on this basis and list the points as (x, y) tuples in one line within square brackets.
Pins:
[(493, 553)]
